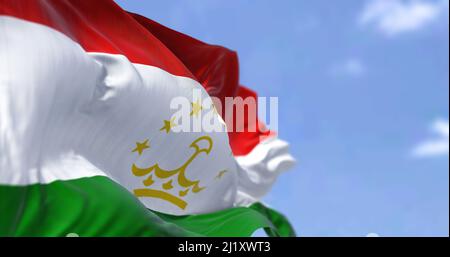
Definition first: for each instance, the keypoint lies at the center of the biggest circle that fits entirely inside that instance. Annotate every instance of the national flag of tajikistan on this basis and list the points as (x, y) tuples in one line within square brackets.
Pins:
[(89, 144)]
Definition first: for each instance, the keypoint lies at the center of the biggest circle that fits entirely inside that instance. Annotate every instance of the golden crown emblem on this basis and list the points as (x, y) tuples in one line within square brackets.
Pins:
[(177, 175)]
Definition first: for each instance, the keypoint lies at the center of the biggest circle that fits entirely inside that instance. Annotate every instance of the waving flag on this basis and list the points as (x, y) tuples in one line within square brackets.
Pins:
[(89, 143)]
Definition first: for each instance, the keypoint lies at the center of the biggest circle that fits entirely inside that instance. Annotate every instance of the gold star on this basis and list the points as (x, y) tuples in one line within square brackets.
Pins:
[(196, 108), (140, 147), (168, 124), (220, 174)]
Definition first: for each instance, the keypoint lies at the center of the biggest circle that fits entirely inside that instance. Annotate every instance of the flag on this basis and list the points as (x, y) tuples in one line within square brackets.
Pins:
[(90, 144)]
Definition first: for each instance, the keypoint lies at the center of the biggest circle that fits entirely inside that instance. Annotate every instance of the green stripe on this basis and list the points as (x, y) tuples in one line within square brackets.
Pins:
[(237, 222), (94, 206), (97, 206), (279, 221)]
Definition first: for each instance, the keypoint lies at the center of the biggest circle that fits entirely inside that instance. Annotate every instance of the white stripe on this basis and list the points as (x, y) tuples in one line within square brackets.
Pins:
[(258, 170)]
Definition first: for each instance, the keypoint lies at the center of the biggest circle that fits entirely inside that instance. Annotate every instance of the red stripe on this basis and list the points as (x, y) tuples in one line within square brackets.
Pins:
[(243, 142), (98, 26)]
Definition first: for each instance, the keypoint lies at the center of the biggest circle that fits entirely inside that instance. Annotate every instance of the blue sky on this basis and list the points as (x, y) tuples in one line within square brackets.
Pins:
[(363, 91)]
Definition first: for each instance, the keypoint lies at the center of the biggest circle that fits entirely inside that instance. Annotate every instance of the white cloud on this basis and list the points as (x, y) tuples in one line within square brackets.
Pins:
[(393, 17), (353, 67), (437, 146)]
